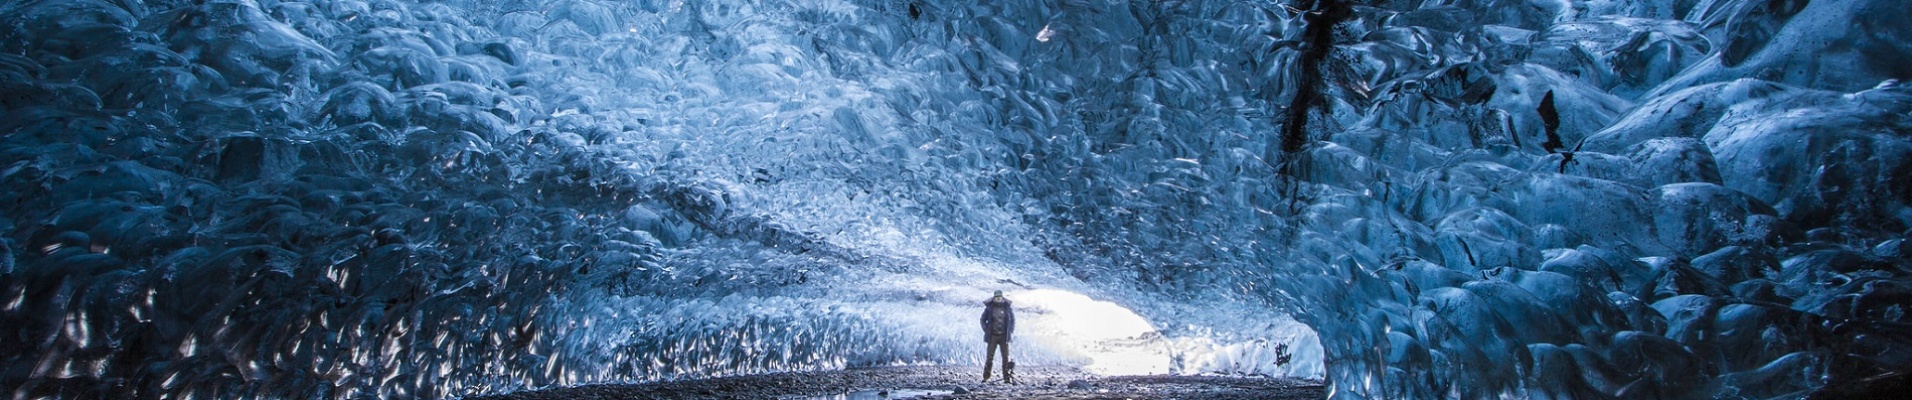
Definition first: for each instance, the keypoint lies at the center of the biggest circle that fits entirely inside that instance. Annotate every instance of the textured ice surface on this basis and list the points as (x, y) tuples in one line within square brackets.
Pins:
[(1509, 198)]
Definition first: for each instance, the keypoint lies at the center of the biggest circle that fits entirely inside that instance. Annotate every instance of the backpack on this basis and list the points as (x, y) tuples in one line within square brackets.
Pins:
[(998, 319)]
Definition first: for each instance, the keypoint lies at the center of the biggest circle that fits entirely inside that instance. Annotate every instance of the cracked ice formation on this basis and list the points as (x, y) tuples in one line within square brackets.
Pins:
[(1527, 198)]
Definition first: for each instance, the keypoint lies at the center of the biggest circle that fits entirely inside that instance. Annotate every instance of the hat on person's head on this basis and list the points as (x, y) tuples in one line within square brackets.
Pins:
[(999, 293)]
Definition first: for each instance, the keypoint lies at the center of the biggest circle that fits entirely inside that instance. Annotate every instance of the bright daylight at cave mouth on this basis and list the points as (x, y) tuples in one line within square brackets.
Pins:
[(955, 199)]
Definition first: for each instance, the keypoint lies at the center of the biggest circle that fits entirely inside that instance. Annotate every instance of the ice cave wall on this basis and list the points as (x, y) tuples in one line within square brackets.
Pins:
[(1537, 198)]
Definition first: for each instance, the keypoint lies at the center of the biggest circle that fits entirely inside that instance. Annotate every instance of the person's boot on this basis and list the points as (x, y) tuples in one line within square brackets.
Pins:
[(986, 374), (1008, 372)]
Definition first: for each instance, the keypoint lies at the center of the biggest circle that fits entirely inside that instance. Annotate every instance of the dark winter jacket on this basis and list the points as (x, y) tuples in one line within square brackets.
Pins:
[(998, 320)]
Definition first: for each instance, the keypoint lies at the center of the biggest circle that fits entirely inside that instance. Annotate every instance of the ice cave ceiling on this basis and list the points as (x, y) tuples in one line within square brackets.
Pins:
[(1406, 198)]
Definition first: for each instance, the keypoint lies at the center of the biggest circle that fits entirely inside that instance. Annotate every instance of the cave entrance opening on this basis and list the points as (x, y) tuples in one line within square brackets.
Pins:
[(1107, 338)]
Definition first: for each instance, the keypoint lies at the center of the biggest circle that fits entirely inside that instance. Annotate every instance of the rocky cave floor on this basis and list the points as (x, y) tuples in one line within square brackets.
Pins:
[(947, 383)]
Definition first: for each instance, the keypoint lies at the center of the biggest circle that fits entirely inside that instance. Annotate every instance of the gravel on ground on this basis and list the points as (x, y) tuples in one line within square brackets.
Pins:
[(963, 383)]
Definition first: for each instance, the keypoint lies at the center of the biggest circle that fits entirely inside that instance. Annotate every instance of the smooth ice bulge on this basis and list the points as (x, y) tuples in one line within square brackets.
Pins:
[(1510, 198)]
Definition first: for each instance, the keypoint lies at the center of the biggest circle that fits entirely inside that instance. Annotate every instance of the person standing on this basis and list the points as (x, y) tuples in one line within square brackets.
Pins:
[(998, 323)]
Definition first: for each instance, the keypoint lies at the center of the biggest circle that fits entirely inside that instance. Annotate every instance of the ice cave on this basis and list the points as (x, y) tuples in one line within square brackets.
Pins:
[(1395, 199)]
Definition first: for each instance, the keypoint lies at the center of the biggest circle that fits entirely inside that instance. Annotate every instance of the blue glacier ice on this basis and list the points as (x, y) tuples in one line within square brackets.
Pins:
[(1404, 198)]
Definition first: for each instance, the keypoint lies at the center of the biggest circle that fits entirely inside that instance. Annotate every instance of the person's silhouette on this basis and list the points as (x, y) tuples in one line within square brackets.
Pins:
[(998, 323)]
